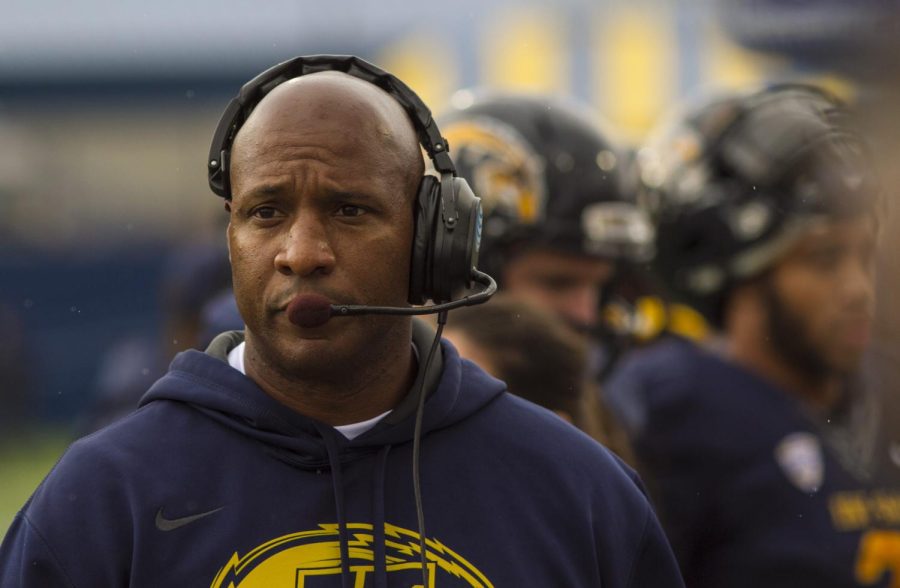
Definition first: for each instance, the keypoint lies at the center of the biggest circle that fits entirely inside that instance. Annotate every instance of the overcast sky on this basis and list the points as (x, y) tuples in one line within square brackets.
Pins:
[(61, 37)]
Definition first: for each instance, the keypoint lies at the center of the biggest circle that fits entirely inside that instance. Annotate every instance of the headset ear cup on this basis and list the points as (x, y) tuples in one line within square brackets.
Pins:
[(456, 250), (467, 244), (425, 215)]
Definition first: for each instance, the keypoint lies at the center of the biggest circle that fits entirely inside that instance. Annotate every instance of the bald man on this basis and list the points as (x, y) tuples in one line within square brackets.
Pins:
[(324, 194), (282, 456)]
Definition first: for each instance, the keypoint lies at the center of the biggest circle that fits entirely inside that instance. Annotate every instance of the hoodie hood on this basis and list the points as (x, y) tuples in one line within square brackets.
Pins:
[(205, 381), (508, 494)]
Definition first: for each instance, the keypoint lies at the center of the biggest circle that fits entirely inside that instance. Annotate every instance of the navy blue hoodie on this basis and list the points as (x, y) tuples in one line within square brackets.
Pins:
[(754, 488), (212, 483)]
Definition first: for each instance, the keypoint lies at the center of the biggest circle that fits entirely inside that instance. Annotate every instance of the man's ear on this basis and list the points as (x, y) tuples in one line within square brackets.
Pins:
[(227, 228)]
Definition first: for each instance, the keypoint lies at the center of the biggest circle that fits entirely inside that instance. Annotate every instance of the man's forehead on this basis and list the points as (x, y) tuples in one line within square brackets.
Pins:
[(326, 94), (829, 229), (328, 111)]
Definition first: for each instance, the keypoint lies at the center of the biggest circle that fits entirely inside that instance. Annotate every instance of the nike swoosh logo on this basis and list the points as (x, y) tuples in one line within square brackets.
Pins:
[(164, 524)]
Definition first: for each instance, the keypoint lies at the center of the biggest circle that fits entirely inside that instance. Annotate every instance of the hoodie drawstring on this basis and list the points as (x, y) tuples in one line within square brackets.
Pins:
[(417, 448), (337, 483), (379, 548)]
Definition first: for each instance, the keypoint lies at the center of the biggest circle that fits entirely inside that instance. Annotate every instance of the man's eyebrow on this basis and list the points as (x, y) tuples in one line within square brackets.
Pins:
[(260, 193), (335, 196), (277, 191), (266, 190)]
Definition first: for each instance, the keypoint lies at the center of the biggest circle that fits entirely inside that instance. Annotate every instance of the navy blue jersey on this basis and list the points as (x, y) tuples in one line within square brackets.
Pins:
[(754, 488), (212, 483)]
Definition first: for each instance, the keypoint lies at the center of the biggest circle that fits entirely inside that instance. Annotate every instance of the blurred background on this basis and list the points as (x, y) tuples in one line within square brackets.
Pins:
[(111, 242)]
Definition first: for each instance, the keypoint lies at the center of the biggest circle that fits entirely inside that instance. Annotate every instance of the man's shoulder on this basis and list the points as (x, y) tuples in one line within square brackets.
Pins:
[(516, 427), (547, 454), (664, 380), (680, 398), (665, 364), (678, 373), (133, 442), (514, 412)]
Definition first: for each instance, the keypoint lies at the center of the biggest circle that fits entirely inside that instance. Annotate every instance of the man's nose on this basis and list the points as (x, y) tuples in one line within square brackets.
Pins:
[(581, 305), (305, 249), (857, 283)]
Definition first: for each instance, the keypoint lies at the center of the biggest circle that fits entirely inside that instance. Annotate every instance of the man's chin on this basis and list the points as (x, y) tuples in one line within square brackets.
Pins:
[(316, 358), (847, 362), (289, 348), (848, 350)]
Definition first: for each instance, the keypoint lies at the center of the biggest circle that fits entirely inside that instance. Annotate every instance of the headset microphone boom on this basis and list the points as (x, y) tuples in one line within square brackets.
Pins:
[(314, 310)]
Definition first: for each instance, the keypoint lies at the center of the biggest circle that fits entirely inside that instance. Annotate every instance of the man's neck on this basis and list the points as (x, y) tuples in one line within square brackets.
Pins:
[(350, 396), (750, 344), (758, 356)]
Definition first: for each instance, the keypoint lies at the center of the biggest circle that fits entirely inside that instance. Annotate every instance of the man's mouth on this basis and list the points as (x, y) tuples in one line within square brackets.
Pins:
[(309, 310), (856, 332)]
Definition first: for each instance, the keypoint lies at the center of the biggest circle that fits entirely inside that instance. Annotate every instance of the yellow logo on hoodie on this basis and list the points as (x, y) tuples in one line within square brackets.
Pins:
[(300, 560)]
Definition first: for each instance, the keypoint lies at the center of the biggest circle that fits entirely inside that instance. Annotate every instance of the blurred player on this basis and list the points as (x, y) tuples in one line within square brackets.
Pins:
[(764, 449), (539, 358), (559, 212), (504, 336), (196, 300)]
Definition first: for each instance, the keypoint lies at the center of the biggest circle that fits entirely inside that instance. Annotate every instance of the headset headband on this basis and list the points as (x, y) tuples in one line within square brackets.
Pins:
[(255, 90)]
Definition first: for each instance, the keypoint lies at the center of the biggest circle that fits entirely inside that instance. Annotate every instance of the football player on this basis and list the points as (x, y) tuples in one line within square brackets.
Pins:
[(560, 215), (764, 448)]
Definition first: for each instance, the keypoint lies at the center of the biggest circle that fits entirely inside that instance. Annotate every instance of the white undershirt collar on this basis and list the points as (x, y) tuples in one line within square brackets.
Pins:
[(351, 431)]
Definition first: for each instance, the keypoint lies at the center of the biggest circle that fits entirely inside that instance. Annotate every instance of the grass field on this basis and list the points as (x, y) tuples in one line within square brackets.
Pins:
[(24, 461)]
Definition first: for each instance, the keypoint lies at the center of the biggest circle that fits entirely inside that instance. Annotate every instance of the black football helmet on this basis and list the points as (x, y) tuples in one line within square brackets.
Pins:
[(548, 174), (731, 181)]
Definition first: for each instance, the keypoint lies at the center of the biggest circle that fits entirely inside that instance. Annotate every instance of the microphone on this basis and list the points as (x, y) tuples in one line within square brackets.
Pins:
[(309, 311), (314, 310), (490, 288)]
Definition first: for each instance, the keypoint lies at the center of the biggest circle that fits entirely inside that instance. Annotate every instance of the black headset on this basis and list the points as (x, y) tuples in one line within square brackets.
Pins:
[(448, 215)]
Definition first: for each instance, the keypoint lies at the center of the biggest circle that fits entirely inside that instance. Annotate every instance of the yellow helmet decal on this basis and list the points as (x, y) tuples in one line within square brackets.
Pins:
[(500, 166)]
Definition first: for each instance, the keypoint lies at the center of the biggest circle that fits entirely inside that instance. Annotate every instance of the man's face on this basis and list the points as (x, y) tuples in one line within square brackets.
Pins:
[(566, 284), (319, 207), (820, 298)]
